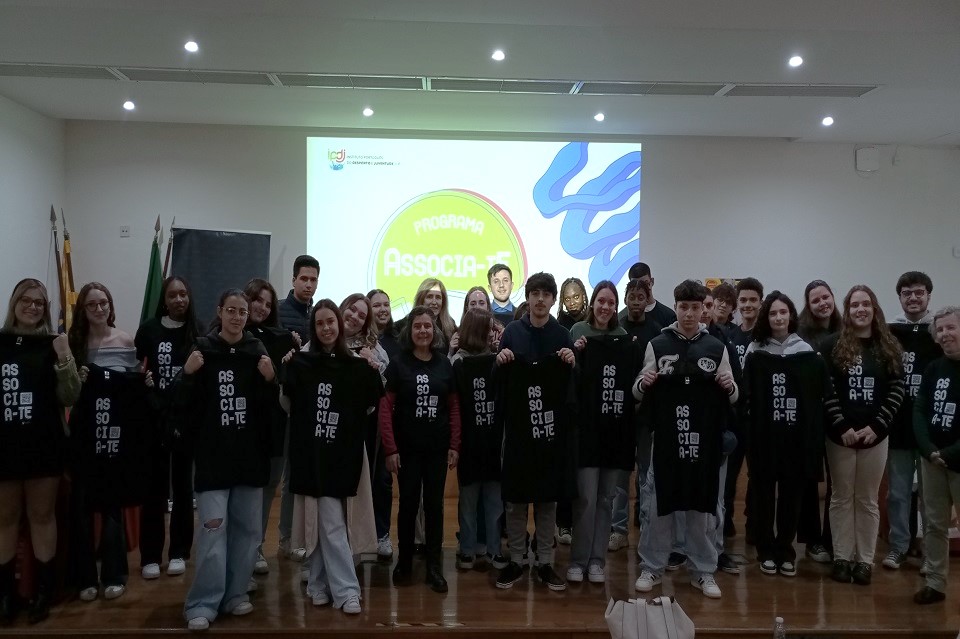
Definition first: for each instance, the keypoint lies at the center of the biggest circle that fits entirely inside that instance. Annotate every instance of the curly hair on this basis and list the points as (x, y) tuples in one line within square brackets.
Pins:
[(368, 332), (886, 347)]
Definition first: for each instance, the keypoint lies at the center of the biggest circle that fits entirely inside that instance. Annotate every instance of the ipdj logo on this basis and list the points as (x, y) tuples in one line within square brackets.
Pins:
[(336, 158)]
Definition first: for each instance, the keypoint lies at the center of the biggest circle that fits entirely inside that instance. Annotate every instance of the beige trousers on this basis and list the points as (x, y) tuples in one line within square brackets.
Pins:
[(854, 508)]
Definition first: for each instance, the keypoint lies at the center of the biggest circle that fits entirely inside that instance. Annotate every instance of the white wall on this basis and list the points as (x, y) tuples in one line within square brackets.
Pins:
[(32, 179), (784, 212)]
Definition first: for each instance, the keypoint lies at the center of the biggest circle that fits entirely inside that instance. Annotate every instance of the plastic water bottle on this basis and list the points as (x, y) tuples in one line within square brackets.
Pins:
[(779, 629)]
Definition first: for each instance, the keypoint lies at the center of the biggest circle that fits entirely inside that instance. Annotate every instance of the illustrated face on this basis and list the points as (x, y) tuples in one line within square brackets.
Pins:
[(261, 306), (779, 317), (325, 325), (501, 285), (821, 302), (604, 307), (422, 328), (305, 283)]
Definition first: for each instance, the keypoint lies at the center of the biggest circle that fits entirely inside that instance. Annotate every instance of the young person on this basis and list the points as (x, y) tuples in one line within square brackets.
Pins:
[(749, 293), (263, 323), (97, 342), (331, 393), (724, 304), (934, 413), (500, 281), (476, 297), (164, 341), (529, 363), (228, 387), (661, 313), (819, 319), (609, 361), (866, 366), (32, 442), (685, 388), (420, 430), (912, 330), (294, 315), (785, 384), (383, 320), (478, 470), (573, 302)]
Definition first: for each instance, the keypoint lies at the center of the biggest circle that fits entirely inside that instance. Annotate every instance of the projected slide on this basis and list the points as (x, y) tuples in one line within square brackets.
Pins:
[(389, 213)]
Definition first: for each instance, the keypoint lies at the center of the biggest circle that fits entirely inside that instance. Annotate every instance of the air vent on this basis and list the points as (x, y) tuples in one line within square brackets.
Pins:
[(409, 83), (676, 88), (466, 84), (190, 75), (537, 86), (73, 72), (615, 88), (315, 80), (799, 91)]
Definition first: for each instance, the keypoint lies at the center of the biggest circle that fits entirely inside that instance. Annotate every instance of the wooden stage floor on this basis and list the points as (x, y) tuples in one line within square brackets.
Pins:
[(811, 603)]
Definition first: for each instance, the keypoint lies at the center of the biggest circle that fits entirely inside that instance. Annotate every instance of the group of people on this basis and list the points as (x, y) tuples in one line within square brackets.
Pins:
[(328, 401)]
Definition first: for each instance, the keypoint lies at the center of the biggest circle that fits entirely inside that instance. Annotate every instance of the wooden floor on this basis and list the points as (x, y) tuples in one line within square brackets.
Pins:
[(811, 603)]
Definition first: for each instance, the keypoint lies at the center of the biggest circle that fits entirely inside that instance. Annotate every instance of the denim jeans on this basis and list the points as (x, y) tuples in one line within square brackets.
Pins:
[(592, 511), (901, 466), (680, 519), (470, 497), (942, 495), (657, 536), (545, 520), (331, 564), (228, 533), (621, 508)]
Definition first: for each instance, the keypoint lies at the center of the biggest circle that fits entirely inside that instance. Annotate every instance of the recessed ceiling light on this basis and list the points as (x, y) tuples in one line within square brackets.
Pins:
[(367, 111), (795, 61), (191, 46), (499, 55), (129, 105), (827, 121), (599, 117)]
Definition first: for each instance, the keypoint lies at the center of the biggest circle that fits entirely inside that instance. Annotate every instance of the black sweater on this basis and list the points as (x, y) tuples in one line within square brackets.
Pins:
[(935, 412)]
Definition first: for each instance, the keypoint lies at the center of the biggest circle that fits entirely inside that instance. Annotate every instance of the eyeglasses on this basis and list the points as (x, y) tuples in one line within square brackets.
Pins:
[(29, 301), (918, 292), (236, 312), (96, 306)]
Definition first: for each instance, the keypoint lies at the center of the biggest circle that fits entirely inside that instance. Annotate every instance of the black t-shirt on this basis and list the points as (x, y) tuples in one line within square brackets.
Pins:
[(330, 400), (421, 409), (919, 350), (539, 450), (278, 342), (609, 364), (165, 350), (784, 397), (481, 438), (642, 332), (112, 431), (740, 340), (31, 433), (935, 411), (688, 413)]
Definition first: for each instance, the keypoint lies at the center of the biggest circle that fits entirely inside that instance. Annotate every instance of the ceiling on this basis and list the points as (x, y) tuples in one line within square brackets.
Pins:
[(903, 56)]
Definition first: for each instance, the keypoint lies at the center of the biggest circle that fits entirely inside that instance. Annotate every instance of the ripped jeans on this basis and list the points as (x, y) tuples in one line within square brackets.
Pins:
[(228, 533)]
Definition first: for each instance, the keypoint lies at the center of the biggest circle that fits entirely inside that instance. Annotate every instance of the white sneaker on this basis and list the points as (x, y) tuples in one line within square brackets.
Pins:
[(707, 586), (242, 608), (252, 585), (304, 575), (352, 605), (150, 571), (575, 574), (384, 547), (89, 594), (646, 581), (617, 541), (298, 554), (176, 567), (198, 623), (564, 536), (261, 567), (321, 599), (596, 574), (113, 592)]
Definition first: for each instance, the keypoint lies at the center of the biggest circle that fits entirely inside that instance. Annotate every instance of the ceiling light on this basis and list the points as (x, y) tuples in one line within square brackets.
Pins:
[(367, 111), (795, 61), (827, 121), (599, 117), (129, 105), (498, 55), (191, 46)]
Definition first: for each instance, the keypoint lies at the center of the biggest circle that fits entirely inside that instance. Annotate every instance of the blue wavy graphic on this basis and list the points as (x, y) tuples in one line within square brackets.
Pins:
[(609, 191)]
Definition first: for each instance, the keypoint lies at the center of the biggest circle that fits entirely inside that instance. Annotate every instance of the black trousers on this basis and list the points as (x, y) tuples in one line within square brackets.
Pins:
[(84, 547), (172, 475), (565, 514), (381, 486), (813, 530), (776, 501), (426, 471), (734, 464)]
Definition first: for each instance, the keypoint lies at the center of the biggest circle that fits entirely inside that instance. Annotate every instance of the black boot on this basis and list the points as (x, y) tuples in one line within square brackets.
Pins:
[(9, 606), (46, 585), (435, 578)]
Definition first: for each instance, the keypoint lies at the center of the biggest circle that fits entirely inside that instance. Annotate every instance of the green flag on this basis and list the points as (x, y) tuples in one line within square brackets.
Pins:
[(151, 295)]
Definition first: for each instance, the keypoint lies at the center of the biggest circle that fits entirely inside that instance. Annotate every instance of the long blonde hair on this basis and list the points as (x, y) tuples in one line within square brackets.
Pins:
[(447, 325), (44, 326)]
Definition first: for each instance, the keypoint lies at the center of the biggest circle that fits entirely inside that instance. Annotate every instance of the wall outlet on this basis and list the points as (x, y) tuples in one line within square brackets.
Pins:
[(125, 231)]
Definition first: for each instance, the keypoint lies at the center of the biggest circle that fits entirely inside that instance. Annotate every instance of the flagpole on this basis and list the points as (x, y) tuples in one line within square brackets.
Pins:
[(61, 321), (71, 293), (166, 260)]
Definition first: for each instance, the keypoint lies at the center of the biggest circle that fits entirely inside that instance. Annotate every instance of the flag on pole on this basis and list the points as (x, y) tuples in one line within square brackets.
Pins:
[(151, 294), (69, 288)]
